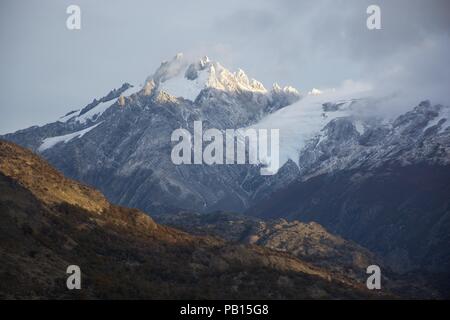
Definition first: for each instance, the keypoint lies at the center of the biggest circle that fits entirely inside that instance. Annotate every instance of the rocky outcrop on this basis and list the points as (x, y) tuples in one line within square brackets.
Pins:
[(310, 242)]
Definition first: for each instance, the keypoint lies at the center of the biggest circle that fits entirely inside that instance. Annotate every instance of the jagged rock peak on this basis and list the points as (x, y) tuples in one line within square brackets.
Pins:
[(183, 77)]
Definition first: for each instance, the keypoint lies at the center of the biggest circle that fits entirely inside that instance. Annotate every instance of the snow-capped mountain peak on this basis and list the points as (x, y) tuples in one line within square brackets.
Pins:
[(181, 77), (276, 88)]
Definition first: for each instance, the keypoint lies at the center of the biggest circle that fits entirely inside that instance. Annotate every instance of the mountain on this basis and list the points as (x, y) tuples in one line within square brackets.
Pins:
[(384, 186), (49, 222), (379, 181), (308, 242), (121, 144)]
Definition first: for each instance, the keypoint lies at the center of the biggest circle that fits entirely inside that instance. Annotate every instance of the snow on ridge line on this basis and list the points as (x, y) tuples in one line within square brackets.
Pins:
[(97, 111), (132, 90), (180, 86), (181, 78), (48, 143), (69, 116)]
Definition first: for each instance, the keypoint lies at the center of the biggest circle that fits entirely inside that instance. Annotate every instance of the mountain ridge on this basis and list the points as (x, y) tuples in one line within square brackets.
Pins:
[(338, 161), (123, 253), (127, 129)]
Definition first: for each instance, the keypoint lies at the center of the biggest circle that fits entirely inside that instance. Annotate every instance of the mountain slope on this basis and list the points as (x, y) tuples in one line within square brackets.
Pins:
[(385, 188), (381, 182), (307, 241), (122, 145), (49, 222)]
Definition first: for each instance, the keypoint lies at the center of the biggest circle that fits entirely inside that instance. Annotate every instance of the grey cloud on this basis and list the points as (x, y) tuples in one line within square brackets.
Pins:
[(48, 70)]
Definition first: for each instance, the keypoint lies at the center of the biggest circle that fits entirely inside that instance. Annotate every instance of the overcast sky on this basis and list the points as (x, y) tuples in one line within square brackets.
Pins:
[(48, 70)]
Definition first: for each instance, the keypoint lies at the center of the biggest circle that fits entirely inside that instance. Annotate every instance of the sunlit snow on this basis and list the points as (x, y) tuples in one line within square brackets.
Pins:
[(304, 119)]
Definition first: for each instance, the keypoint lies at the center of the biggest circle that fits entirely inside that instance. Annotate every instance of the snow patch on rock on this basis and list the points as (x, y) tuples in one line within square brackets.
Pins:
[(48, 143)]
